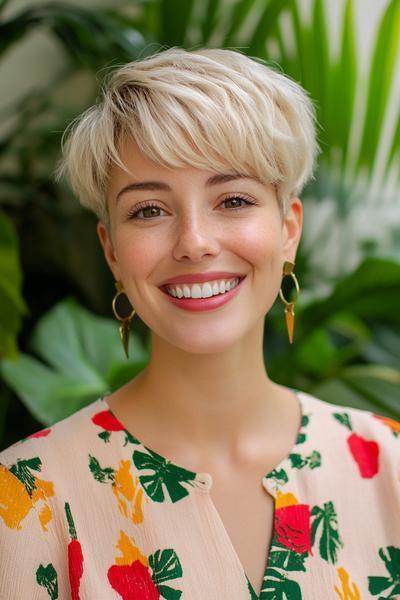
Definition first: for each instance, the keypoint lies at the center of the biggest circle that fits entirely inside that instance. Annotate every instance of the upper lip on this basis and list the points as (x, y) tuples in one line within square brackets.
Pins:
[(201, 277)]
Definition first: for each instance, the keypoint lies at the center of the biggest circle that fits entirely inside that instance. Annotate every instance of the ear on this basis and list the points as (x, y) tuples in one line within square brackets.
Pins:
[(292, 228), (108, 249)]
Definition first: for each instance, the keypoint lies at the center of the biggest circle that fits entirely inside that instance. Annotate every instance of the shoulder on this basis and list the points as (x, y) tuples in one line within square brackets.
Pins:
[(60, 437), (366, 433), (37, 470), (33, 468)]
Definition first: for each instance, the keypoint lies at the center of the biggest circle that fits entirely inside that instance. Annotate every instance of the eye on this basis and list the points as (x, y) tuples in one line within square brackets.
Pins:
[(237, 198), (141, 208), (149, 209)]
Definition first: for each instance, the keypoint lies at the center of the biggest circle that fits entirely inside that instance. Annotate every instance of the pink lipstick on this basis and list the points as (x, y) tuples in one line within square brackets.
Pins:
[(201, 304)]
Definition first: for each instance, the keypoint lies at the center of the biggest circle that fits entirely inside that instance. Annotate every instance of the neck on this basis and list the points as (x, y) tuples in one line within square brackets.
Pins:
[(220, 403)]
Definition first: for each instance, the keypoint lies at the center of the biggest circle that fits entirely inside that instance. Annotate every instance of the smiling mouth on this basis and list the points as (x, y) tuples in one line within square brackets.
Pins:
[(164, 289)]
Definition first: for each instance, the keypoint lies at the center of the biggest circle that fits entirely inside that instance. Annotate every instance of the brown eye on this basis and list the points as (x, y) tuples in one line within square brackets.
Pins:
[(237, 201), (148, 211)]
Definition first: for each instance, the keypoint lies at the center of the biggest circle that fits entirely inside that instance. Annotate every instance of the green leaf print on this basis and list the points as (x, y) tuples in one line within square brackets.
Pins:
[(22, 472), (278, 587), (105, 436), (298, 461), (344, 419), (301, 438), (377, 584), (165, 565), (102, 475), (314, 460), (169, 593), (281, 561), (47, 578), (253, 595), (279, 476), (282, 557), (330, 540), (164, 473), (130, 439)]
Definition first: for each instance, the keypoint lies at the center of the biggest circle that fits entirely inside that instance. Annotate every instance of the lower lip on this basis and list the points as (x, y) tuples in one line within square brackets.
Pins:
[(199, 304)]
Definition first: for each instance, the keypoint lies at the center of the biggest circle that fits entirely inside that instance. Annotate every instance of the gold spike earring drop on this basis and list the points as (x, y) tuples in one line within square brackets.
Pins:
[(289, 306), (125, 321)]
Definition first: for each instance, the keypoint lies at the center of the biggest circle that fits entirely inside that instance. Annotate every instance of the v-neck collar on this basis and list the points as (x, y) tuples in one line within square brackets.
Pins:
[(205, 481)]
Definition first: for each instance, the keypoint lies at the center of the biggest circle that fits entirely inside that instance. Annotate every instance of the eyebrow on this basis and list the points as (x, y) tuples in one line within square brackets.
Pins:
[(151, 186)]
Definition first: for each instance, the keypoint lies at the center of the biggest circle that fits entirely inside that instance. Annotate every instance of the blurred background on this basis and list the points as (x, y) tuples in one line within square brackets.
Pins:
[(59, 342)]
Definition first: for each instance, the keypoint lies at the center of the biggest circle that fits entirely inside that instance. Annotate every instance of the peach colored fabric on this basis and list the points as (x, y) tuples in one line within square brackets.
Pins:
[(87, 512)]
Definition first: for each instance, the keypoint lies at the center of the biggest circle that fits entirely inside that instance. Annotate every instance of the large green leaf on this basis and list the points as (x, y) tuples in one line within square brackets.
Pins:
[(343, 77), (239, 12), (90, 36), (82, 359), (371, 291), (49, 396), (265, 26), (347, 343), (367, 387), (394, 153), (383, 63), (174, 21), (210, 19)]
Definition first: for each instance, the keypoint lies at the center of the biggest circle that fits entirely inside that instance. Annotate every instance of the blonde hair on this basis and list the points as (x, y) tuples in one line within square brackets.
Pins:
[(208, 108)]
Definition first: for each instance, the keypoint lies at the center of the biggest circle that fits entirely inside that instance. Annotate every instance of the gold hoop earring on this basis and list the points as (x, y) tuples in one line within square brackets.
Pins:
[(125, 321), (289, 306)]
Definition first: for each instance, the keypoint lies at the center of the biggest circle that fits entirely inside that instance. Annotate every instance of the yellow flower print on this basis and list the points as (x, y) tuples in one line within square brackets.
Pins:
[(128, 492), (346, 593)]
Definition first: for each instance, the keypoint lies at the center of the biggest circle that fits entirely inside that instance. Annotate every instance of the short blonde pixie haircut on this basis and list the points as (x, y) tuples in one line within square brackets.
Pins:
[(209, 108)]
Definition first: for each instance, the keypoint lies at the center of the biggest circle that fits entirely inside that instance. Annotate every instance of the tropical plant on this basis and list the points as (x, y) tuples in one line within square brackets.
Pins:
[(78, 358), (43, 213), (347, 344)]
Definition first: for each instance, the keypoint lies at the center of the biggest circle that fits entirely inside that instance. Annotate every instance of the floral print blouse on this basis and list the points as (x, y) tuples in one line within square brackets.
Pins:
[(87, 512)]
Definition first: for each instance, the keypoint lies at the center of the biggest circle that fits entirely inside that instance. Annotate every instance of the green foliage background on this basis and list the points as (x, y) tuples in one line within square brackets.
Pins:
[(60, 348)]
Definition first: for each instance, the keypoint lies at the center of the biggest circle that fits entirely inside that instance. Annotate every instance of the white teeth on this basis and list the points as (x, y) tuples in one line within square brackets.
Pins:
[(205, 290)]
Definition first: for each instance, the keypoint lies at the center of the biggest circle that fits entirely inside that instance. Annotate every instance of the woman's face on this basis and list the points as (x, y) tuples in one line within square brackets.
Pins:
[(232, 226)]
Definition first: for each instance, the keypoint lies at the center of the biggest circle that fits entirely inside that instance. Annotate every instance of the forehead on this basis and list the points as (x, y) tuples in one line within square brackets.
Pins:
[(141, 167), (139, 164)]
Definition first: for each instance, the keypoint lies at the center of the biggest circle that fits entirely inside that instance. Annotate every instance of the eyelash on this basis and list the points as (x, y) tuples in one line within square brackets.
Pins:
[(149, 203)]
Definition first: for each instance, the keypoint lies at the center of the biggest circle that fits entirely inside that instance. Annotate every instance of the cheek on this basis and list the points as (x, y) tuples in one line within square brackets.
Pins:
[(138, 255), (259, 243)]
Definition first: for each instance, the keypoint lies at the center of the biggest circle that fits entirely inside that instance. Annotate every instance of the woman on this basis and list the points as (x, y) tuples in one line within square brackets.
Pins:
[(201, 478)]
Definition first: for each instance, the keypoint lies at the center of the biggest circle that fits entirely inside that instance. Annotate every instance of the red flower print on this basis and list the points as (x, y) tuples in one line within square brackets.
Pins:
[(292, 527), (107, 421), (75, 557), (133, 582), (39, 434), (365, 453), (75, 567)]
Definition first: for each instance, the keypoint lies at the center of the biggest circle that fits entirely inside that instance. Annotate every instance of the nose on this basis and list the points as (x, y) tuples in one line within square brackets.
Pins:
[(195, 238)]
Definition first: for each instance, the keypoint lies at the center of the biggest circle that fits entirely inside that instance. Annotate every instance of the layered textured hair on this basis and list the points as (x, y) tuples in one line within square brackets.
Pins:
[(209, 108)]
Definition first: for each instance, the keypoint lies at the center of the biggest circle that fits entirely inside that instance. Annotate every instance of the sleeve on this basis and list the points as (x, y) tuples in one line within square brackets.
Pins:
[(30, 559), (386, 432)]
